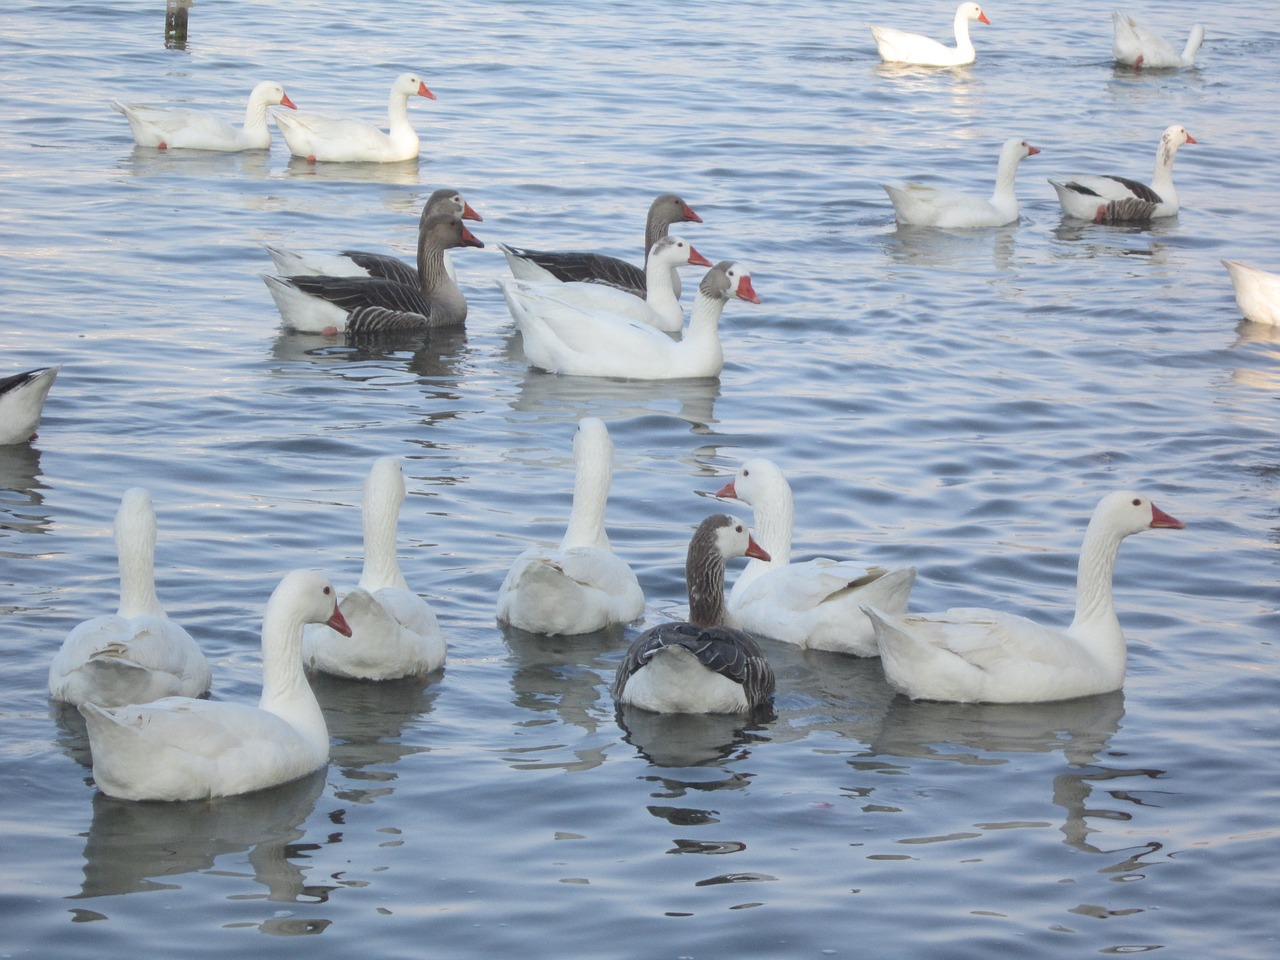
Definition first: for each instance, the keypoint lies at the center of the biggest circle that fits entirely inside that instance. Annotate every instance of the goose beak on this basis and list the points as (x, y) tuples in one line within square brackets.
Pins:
[(746, 291), (1032, 151), (755, 550), (697, 259), (1162, 521), (286, 102), (982, 17), (468, 213), (338, 622), (728, 491), (424, 92), (689, 215), (1191, 139), (469, 239)]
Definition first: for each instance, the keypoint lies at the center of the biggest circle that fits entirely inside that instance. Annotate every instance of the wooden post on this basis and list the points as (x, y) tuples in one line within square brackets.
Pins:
[(175, 23)]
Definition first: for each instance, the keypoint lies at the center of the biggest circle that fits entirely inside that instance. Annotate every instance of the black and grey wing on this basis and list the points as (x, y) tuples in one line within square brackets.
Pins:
[(352, 293), (573, 266), (384, 266)]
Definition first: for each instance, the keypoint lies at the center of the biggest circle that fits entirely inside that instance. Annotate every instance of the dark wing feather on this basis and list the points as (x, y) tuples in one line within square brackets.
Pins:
[(370, 321), (351, 293), (19, 379), (728, 652), (1126, 211), (1138, 189), (384, 266), (571, 266)]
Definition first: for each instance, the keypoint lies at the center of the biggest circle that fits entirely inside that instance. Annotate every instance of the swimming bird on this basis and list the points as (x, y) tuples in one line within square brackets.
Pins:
[(22, 397), (179, 748), (921, 205), (359, 263), (320, 138), (989, 656), (700, 665), (137, 654), (565, 339), (568, 266), (188, 129), (1257, 292), (394, 632), (660, 306), (1114, 199), (1141, 49), (817, 603), (898, 46), (372, 305), (582, 585)]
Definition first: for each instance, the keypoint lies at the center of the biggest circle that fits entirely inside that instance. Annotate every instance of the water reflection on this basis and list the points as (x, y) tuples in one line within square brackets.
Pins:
[(21, 490), (1090, 241), (404, 172), (200, 164), (548, 394), (434, 357), (135, 847), (367, 723), (944, 249), (678, 740)]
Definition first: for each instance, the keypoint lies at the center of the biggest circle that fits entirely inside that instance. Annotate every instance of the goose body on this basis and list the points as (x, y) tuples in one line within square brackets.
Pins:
[(1257, 292), (359, 263), (394, 632), (137, 654), (989, 656), (373, 305), (188, 129), (818, 603), (1113, 199), (320, 138), (921, 205), (1141, 49), (660, 307), (22, 397), (184, 749), (581, 586), (700, 665), (562, 338), (898, 46), (571, 266)]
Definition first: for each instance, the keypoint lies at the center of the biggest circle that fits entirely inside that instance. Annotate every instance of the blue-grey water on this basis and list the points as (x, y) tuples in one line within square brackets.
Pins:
[(953, 400)]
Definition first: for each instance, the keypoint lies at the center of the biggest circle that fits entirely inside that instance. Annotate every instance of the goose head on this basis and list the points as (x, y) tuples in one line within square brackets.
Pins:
[(448, 200), (411, 85), (675, 252), (728, 279)]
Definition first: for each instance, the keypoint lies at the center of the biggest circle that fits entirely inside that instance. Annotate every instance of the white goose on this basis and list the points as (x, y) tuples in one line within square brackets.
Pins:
[(581, 586), (187, 129), (1257, 292), (1112, 199), (137, 654), (660, 307), (372, 305), (394, 633), (897, 46), (563, 339), (926, 206), (569, 266), (184, 749), (354, 141), (815, 604), (700, 666), (359, 263), (1143, 50), (22, 397), (978, 655)]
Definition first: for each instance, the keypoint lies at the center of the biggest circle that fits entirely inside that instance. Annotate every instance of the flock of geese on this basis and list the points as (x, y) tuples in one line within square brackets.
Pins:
[(139, 679)]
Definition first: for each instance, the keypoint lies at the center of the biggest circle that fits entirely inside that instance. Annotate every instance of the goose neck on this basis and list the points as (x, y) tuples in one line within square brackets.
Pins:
[(590, 494), (704, 317), (704, 577), (285, 690), (381, 568), (1095, 615), (136, 550), (772, 521)]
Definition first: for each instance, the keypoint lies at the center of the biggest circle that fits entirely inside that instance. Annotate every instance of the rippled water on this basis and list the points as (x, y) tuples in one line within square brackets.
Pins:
[(958, 401)]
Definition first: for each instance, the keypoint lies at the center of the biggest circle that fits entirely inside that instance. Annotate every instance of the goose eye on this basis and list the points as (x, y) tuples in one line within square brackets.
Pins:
[(1137, 501), (738, 528), (327, 591), (746, 473)]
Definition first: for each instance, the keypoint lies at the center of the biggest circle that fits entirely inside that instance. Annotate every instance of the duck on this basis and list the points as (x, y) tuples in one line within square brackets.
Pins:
[(920, 205), (137, 654), (371, 305), (319, 138), (22, 397), (815, 604), (359, 263), (581, 586), (700, 665), (188, 129), (1113, 199), (569, 340), (1257, 292), (977, 655), (660, 307), (179, 748), (394, 632), (1138, 47), (897, 46), (568, 266)]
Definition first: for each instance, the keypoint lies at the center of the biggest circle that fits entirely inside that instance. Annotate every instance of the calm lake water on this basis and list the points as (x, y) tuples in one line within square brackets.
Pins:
[(954, 400)]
